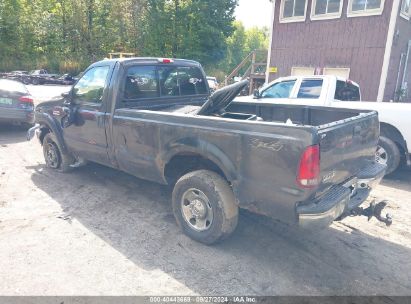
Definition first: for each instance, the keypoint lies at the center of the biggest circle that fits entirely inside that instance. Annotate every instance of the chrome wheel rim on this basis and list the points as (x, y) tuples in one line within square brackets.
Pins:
[(381, 155), (196, 209), (51, 155)]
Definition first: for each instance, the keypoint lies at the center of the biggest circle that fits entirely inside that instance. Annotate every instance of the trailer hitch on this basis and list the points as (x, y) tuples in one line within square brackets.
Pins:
[(374, 210)]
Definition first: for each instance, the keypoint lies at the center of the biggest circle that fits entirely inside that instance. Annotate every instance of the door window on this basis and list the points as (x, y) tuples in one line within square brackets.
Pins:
[(91, 85), (279, 90), (310, 88)]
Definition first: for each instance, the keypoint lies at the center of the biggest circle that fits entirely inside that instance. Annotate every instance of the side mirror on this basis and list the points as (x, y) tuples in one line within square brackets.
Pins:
[(257, 94), (70, 97)]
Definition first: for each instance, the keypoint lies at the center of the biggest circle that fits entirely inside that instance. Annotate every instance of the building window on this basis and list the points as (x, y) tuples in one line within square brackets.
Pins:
[(293, 10), (339, 72), (357, 8), (326, 9), (302, 71), (405, 9)]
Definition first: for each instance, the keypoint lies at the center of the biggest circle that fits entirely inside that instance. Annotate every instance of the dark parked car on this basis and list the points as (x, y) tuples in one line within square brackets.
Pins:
[(16, 103), (43, 77), (22, 76), (154, 119), (44, 73)]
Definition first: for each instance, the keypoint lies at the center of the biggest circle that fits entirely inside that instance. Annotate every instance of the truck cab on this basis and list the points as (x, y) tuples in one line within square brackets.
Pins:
[(321, 90)]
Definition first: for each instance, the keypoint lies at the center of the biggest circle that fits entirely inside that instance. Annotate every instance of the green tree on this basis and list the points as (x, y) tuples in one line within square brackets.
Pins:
[(67, 35), (241, 43), (192, 29)]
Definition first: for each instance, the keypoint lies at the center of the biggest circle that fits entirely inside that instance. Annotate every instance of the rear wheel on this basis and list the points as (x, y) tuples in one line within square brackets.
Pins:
[(35, 81), (204, 206), (53, 156), (387, 153)]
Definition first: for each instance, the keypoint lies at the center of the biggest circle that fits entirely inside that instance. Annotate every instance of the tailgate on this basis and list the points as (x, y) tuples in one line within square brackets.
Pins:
[(346, 147)]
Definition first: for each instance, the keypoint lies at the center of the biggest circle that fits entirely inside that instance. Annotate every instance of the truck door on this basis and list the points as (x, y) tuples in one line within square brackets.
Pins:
[(87, 135)]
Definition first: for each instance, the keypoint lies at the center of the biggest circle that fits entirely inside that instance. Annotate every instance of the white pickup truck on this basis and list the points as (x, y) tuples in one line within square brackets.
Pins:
[(331, 91)]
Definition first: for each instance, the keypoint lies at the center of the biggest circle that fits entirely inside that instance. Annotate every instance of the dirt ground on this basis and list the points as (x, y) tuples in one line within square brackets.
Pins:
[(97, 231)]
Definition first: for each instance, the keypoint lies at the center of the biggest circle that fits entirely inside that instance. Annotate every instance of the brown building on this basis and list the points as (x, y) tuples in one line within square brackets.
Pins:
[(364, 40)]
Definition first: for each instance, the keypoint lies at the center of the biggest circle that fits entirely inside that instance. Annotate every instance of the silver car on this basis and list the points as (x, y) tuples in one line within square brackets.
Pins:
[(16, 103)]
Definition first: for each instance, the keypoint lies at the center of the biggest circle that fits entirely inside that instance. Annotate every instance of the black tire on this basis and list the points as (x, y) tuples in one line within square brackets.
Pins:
[(221, 204), (35, 81), (388, 153), (53, 156)]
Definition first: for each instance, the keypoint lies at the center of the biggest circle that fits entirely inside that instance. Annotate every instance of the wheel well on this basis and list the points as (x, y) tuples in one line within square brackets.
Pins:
[(392, 133), (44, 130), (182, 164)]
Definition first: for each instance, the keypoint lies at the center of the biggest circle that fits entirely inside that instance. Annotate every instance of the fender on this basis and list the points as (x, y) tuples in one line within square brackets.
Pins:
[(195, 146), (388, 130), (47, 120)]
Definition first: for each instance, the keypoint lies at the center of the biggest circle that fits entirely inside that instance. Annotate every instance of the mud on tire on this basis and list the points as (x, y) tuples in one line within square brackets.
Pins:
[(208, 199), (53, 156)]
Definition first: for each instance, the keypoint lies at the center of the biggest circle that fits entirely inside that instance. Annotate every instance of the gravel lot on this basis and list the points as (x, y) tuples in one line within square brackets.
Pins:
[(97, 231)]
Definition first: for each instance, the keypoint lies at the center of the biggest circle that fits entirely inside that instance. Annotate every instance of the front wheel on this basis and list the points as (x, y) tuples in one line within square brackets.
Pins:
[(204, 206), (387, 153), (26, 80), (53, 156)]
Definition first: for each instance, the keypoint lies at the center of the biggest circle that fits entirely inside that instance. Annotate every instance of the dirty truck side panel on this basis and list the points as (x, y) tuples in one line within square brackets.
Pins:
[(252, 156)]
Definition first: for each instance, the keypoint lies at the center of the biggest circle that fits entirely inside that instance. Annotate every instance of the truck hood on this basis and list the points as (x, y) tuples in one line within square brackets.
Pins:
[(222, 98)]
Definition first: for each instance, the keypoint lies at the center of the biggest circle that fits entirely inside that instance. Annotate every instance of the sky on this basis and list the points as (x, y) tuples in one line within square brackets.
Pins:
[(254, 13)]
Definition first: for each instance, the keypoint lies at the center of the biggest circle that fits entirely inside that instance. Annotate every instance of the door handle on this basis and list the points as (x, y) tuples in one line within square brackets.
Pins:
[(100, 121)]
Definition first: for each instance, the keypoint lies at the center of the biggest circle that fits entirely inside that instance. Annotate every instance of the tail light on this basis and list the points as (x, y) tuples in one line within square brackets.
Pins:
[(308, 175), (27, 99), (26, 102)]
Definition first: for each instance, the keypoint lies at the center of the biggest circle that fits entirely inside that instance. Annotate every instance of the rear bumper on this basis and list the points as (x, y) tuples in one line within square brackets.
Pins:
[(341, 199), (16, 115)]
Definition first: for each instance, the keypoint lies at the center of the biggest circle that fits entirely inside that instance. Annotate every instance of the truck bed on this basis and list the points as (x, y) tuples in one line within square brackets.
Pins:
[(347, 140), (347, 137), (288, 114), (295, 114)]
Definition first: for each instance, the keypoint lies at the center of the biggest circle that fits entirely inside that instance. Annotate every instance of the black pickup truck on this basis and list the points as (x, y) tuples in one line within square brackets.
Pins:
[(154, 119)]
